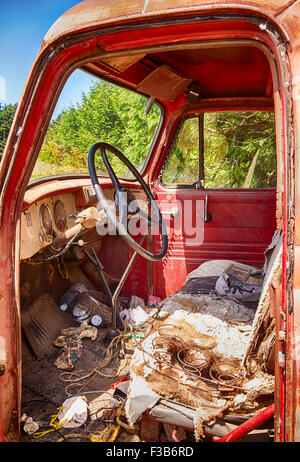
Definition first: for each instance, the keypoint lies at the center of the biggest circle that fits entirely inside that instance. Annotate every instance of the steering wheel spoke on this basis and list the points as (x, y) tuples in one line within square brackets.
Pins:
[(125, 201)]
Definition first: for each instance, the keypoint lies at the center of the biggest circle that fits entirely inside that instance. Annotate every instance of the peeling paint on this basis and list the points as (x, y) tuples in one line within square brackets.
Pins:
[(92, 15), (2, 349)]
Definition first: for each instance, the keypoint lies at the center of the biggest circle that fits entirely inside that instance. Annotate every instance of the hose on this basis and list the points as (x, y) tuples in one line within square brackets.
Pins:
[(247, 426)]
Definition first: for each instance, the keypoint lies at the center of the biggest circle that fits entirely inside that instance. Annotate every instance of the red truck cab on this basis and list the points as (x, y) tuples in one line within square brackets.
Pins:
[(220, 81)]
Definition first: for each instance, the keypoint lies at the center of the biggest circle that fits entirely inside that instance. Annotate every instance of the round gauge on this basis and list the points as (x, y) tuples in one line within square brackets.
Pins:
[(60, 217), (46, 220)]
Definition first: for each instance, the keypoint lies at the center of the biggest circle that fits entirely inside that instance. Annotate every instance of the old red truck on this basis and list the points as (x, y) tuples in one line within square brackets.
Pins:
[(220, 168)]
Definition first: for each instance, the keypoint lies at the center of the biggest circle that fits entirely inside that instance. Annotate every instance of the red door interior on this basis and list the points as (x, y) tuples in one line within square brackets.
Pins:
[(241, 227)]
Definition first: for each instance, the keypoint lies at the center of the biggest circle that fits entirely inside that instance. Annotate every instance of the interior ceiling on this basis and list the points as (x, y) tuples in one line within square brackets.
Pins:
[(232, 71)]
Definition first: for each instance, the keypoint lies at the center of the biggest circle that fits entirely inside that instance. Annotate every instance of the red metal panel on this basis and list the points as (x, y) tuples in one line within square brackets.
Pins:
[(247, 426), (241, 228), (36, 111)]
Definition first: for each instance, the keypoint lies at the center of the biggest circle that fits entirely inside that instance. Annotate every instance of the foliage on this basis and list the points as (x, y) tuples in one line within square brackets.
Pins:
[(239, 151), (108, 114), (239, 147), (7, 113), (247, 157), (183, 164)]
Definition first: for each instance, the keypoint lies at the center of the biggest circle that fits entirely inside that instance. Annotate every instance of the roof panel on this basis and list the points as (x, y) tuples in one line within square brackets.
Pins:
[(92, 13)]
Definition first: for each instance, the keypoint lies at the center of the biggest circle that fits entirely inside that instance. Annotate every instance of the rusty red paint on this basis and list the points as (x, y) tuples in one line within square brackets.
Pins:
[(150, 428), (91, 13), (247, 426), (41, 92)]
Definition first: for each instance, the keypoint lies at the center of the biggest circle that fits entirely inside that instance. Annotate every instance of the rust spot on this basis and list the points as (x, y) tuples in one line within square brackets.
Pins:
[(150, 429), (190, 335), (284, 8)]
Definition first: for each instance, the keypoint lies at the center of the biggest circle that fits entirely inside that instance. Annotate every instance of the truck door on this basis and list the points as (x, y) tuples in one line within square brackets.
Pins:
[(217, 190)]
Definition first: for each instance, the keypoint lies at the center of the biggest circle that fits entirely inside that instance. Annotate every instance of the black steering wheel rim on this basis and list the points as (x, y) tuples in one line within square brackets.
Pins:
[(110, 214)]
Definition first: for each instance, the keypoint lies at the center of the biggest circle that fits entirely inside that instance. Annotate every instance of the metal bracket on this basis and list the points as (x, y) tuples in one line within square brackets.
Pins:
[(206, 216)]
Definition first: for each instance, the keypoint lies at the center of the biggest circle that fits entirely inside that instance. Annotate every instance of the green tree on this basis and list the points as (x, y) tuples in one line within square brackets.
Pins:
[(7, 113), (106, 113), (240, 149), (182, 166)]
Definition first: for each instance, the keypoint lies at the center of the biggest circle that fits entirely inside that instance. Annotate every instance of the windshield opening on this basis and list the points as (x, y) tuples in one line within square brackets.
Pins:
[(90, 110)]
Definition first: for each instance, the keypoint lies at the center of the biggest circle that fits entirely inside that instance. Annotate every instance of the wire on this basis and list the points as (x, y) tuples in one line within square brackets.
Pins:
[(83, 381), (179, 369), (104, 409), (214, 381), (83, 377), (65, 249)]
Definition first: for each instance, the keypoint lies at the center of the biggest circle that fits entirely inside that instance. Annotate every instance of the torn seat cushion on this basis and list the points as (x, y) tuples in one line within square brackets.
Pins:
[(229, 331), (214, 269), (203, 279), (199, 285)]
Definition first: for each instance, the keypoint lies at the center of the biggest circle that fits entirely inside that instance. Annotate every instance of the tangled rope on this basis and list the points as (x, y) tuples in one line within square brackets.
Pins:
[(83, 377), (109, 435), (53, 425)]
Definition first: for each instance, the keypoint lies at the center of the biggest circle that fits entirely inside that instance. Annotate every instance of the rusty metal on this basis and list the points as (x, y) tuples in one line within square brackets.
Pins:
[(284, 7), (275, 293), (91, 13), (194, 359), (163, 343), (163, 361), (150, 428), (226, 373), (48, 75), (173, 350), (163, 326), (191, 358)]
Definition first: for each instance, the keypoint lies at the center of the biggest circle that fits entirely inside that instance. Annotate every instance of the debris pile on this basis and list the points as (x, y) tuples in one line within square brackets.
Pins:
[(70, 340), (194, 358)]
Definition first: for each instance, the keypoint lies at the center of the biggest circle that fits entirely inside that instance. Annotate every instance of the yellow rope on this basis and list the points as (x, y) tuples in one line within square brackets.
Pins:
[(109, 436), (120, 413), (55, 426)]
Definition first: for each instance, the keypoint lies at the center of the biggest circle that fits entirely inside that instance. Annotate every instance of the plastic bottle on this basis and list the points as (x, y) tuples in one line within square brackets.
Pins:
[(96, 320), (89, 308), (68, 300), (80, 314)]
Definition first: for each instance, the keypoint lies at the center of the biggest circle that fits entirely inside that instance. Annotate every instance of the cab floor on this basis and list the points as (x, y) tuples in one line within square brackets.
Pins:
[(44, 392)]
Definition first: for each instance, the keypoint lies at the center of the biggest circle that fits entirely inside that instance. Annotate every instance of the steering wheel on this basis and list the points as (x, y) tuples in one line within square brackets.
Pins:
[(121, 201)]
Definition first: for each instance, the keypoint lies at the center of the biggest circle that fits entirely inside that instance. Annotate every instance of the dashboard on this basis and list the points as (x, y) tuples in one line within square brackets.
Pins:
[(42, 220), (45, 220)]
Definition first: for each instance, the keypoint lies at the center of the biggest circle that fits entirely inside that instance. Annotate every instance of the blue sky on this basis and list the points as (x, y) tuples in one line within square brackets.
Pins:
[(23, 24)]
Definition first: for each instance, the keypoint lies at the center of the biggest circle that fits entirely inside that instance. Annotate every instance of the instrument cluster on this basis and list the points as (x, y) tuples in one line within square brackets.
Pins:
[(59, 218), (45, 220)]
